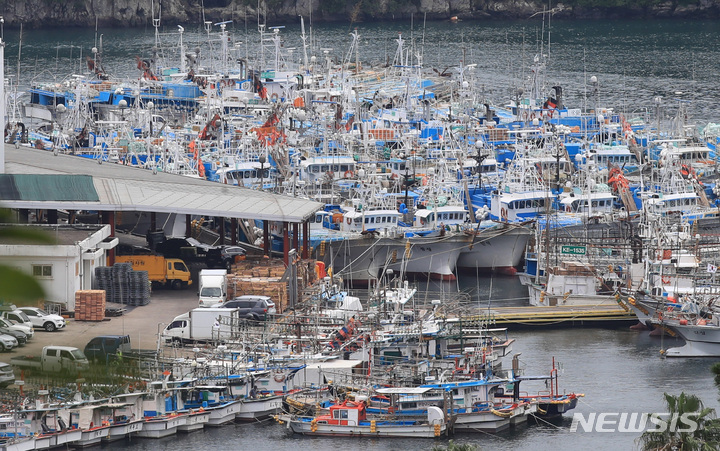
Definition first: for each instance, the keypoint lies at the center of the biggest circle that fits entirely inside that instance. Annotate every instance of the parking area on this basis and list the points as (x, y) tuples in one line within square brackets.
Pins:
[(141, 323)]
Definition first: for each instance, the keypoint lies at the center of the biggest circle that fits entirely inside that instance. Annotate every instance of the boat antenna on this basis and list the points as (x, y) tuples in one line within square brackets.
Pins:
[(19, 52)]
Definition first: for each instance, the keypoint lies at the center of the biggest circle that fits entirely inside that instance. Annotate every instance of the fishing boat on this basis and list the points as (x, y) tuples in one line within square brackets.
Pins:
[(160, 414), (259, 406), (212, 399), (88, 420), (698, 326), (350, 418), (125, 416)]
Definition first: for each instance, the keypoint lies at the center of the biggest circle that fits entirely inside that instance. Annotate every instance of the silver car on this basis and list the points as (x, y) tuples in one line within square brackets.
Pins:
[(7, 342)]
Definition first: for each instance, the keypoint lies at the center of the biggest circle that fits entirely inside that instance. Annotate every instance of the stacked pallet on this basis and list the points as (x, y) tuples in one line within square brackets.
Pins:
[(90, 305), (264, 277), (122, 284)]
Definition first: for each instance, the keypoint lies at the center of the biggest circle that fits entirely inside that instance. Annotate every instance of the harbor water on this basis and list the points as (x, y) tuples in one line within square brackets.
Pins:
[(638, 64)]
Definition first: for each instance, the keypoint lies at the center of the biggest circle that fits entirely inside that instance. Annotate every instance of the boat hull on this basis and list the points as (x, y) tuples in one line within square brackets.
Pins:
[(223, 414), (195, 422), (161, 427), (91, 437), (381, 429), (252, 409), (23, 444), (120, 431), (700, 341), (497, 252)]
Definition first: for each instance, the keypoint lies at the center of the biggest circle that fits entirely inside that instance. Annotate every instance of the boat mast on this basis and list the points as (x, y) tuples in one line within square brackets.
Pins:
[(304, 40), (182, 50)]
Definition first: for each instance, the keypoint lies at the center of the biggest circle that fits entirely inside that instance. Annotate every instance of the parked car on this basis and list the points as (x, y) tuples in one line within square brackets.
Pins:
[(16, 316), (21, 338), (7, 376), (7, 342), (21, 327), (251, 306), (228, 254), (42, 319)]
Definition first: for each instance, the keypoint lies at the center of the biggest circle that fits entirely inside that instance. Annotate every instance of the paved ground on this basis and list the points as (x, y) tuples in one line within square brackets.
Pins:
[(141, 323)]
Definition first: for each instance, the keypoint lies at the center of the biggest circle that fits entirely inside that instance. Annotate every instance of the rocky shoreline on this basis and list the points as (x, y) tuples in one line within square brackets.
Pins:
[(135, 13)]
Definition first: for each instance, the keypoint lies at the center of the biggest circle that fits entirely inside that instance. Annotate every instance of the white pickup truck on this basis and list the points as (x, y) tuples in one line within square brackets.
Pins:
[(54, 359)]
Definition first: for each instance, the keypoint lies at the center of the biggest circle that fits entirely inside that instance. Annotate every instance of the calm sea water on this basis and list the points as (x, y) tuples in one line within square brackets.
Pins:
[(635, 62)]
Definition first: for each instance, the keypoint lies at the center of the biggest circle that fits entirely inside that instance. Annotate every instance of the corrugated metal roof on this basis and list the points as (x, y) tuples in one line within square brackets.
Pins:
[(46, 187), (123, 188)]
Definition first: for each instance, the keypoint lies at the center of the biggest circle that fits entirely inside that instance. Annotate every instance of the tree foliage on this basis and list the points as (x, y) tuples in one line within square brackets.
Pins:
[(16, 286), (705, 437)]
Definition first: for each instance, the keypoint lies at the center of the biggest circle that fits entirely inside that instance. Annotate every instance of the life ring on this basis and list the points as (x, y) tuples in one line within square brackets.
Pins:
[(504, 213), (665, 280), (424, 181), (394, 176), (279, 376), (532, 116), (349, 174), (349, 220), (274, 97)]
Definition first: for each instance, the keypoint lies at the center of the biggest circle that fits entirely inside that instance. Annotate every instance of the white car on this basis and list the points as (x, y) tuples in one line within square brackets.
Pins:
[(44, 320), (12, 326)]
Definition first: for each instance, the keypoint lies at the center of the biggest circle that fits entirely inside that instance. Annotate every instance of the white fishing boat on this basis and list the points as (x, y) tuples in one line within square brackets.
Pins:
[(160, 414), (259, 407), (89, 420)]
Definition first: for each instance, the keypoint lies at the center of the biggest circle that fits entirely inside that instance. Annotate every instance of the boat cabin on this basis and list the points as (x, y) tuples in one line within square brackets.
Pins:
[(519, 206), (332, 168), (369, 220), (347, 413), (618, 155), (448, 215), (660, 203), (244, 174), (592, 203)]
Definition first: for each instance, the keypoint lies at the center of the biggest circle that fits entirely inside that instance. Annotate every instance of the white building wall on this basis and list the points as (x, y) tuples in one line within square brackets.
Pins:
[(73, 266)]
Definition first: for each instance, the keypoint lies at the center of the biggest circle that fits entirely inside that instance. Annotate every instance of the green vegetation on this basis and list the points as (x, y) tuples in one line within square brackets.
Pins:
[(705, 437), (16, 286), (715, 369)]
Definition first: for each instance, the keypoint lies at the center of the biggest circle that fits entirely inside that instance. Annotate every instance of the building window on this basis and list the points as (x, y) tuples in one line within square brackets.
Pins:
[(42, 271)]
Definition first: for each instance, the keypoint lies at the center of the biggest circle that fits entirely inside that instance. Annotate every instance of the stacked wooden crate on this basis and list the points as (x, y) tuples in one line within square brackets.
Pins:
[(90, 305), (263, 277)]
